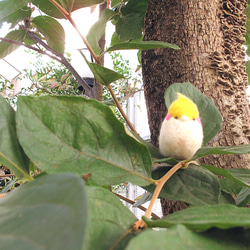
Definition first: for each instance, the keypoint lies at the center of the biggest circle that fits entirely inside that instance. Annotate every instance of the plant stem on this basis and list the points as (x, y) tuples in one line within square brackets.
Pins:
[(63, 60), (121, 109), (159, 185)]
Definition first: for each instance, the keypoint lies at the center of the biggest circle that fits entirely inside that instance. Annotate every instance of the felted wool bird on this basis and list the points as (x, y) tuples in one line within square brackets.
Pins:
[(181, 133)]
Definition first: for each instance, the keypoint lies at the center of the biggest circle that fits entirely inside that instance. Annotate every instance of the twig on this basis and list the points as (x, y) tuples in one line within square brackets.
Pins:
[(7, 175), (63, 60), (58, 57), (159, 185), (29, 47), (121, 109), (132, 203)]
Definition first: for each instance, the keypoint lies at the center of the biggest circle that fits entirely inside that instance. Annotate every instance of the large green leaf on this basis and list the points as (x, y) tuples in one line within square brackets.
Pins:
[(179, 237), (203, 218), (72, 134), (97, 30), (154, 151), (240, 176), (130, 26), (11, 153), (52, 31), (142, 45), (103, 75), (71, 5), (17, 16), (205, 105), (7, 47), (134, 6), (194, 185), (48, 8), (230, 187), (48, 213), (10, 8), (108, 219), (204, 151)]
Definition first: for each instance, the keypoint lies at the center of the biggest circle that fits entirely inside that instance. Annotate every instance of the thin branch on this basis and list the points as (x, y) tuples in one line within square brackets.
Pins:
[(58, 57), (63, 60), (132, 203), (30, 47), (159, 185), (60, 8), (129, 95), (7, 175), (121, 109)]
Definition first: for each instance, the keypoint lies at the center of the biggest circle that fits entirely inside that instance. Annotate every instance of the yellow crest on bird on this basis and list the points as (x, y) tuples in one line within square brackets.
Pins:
[(183, 106)]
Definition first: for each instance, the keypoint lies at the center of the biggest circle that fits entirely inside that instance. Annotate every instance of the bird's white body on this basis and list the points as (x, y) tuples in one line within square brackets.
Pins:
[(180, 138)]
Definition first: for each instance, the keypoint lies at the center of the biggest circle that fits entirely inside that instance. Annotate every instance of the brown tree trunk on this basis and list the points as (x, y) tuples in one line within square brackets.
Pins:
[(210, 35)]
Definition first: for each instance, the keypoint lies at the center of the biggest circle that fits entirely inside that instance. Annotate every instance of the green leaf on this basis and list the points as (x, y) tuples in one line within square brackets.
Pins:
[(134, 6), (205, 151), (194, 185), (179, 237), (243, 197), (115, 3), (48, 8), (108, 220), (72, 134), (48, 213), (103, 75), (69, 5), (114, 40), (143, 45), (130, 26), (97, 30), (72, 5), (17, 16), (9, 9), (240, 176), (205, 105), (202, 218), (154, 151), (52, 31), (11, 153), (229, 186), (6, 47), (226, 198)]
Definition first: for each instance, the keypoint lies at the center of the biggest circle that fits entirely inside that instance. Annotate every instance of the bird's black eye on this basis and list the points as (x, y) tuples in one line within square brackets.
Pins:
[(176, 117), (193, 119)]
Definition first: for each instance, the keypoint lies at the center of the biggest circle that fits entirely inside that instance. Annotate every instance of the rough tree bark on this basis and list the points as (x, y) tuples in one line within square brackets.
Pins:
[(210, 35)]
